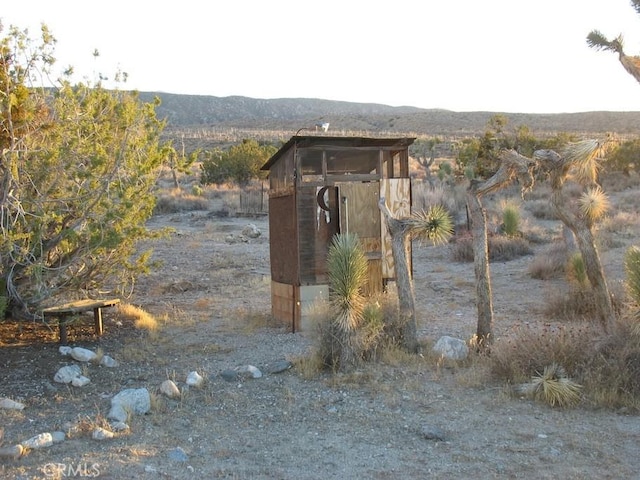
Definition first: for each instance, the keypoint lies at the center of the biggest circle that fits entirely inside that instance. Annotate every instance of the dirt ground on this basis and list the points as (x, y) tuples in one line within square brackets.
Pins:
[(212, 301)]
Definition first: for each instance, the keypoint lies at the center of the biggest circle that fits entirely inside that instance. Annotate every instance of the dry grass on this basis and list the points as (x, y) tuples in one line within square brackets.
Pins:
[(141, 319), (577, 303), (179, 200), (501, 248), (550, 263), (607, 366)]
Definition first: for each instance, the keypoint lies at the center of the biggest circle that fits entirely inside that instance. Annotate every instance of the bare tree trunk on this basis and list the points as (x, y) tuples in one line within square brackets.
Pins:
[(592, 264), (581, 226), (512, 166), (406, 299), (484, 297)]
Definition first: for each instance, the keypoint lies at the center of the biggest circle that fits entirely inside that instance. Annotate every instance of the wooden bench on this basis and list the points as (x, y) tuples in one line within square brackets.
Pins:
[(63, 312)]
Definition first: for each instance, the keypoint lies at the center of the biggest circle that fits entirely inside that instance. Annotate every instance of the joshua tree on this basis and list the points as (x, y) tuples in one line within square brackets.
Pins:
[(580, 161), (597, 40), (512, 166), (435, 225)]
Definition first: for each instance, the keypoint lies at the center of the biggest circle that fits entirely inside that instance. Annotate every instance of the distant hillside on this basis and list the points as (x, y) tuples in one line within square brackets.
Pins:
[(291, 114)]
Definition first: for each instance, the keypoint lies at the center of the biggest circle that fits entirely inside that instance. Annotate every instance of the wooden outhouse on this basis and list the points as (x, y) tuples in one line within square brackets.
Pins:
[(320, 186)]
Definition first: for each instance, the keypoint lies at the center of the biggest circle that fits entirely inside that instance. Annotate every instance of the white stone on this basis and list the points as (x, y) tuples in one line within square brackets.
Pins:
[(451, 348), (249, 371), (80, 381), (102, 434), (107, 361), (194, 379), (10, 404), (170, 389), (137, 401), (41, 440), (251, 231), (67, 374), (83, 354), (65, 350)]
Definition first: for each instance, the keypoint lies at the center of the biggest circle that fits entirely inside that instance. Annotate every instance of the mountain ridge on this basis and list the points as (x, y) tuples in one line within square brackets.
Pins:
[(205, 111)]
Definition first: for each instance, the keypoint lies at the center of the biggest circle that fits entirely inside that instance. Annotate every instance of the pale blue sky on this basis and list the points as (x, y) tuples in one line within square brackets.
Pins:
[(462, 55)]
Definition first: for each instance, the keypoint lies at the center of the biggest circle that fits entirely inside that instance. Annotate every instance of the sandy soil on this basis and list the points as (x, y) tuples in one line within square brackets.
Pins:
[(212, 301)]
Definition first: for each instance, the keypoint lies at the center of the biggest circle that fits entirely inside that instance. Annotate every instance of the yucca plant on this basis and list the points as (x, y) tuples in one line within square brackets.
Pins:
[(511, 219), (593, 204), (576, 270), (434, 225), (555, 388), (347, 269)]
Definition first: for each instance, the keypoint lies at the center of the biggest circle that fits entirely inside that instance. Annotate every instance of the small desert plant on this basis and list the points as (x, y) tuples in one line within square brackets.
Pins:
[(576, 270), (550, 263), (528, 349), (554, 387), (632, 271), (347, 268), (501, 248), (178, 201), (141, 319), (511, 219)]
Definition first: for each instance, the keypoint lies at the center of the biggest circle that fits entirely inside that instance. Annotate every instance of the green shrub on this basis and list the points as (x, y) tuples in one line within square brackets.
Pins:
[(511, 220), (632, 270)]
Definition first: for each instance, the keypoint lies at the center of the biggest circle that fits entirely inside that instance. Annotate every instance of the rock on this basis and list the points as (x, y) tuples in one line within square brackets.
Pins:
[(431, 432), (80, 381), (251, 231), (451, 348), (107, 361), (102, 434), (14, 451), (67, 374), (65, 350), (41, 440), (137, 401), (178, 455), (170, 389), (229, 375), (9, 404), (194, 379), (249, 371), (82, 354), (278, 366), (58, 437)]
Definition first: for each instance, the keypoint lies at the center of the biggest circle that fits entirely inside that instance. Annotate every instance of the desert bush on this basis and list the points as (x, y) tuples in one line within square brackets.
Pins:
[(528, 350), (178, 200), (632, 273), (78, 169), (607, 366), (501, 248), (541, 209), (578, 303), (510, 219), (576, 270), (425, 195), (550, 263), (611, 376), (239, 164)]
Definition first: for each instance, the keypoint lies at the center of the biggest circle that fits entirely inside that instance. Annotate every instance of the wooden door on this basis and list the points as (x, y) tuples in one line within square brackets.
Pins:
[(359, 214)]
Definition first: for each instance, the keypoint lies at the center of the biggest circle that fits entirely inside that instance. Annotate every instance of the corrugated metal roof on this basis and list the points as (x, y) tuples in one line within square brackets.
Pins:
[(314, 141)]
